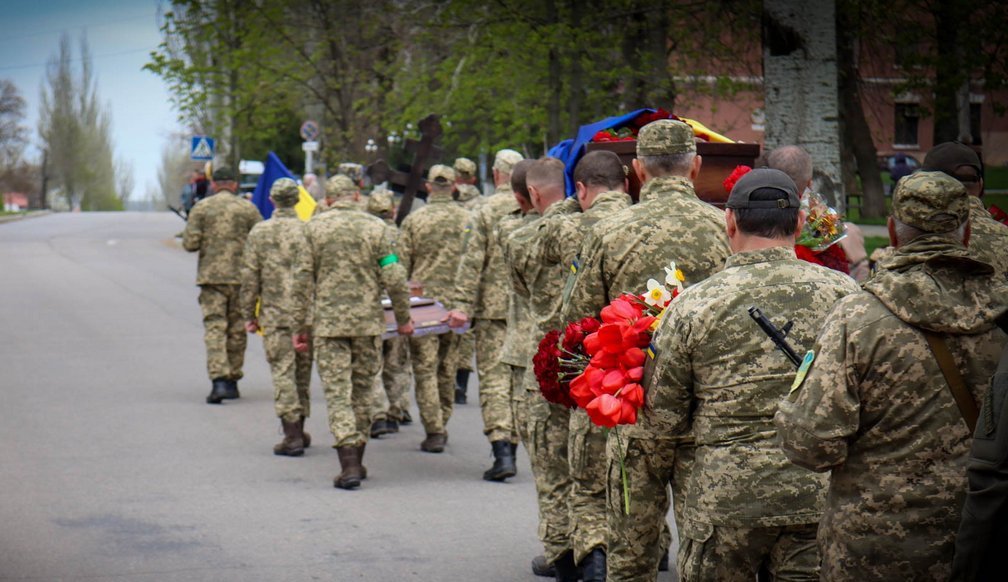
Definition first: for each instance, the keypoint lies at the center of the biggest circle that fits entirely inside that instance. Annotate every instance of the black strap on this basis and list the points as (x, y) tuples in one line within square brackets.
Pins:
[(964, 400)]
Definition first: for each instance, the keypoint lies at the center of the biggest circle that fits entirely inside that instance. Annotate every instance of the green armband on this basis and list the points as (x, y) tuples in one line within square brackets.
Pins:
[(388, 260)]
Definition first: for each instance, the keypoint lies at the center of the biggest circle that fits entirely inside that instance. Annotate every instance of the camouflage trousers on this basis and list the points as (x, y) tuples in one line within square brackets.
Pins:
[(391, 386), (435, 360), (735, 554), (520, 398), (494, 380), (548, 425), (223, 331), (586, 453), (466, 349), (347, 366), (291, 371), (637, 541)]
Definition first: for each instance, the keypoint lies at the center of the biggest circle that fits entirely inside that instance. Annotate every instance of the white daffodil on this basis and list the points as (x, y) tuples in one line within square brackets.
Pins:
[(674, 277), (657, 295)]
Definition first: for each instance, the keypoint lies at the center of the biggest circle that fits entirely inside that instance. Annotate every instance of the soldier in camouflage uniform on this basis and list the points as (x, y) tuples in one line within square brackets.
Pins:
[(620, 254), (391, 398), (875, 408), (431, 244), (350, 261), (481, 295), (717, 375), (271, 253), (217, 228), (468, 195), (336, 188), (988, 237)]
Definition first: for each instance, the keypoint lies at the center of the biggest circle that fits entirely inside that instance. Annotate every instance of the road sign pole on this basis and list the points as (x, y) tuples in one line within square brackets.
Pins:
[(309, 163)]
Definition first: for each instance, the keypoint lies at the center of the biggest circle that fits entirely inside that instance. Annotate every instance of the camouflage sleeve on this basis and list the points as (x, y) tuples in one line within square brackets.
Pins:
[(303, 286), (403, 248), (668, 379), (822, 412), (470, 269), (251, 277), (393, 277), (560, 241), (192, 236), (254, 217), (588, 292)]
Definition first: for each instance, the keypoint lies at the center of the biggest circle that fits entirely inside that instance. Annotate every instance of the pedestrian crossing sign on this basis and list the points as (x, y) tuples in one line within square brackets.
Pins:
[(202, 148)]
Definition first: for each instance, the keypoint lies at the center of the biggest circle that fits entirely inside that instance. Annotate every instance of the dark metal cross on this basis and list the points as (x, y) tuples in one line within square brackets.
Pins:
[(424, 152)]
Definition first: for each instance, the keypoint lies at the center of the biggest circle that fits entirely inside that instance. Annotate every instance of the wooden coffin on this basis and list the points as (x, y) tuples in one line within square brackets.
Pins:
[(719, 159), (427, 317)]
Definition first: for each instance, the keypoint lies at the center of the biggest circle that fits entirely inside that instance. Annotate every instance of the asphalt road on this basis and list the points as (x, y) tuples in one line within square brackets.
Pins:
[(112, 467)]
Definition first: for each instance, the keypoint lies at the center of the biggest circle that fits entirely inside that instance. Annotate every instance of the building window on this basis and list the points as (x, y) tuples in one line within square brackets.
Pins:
[(905, 128), (975, 123)]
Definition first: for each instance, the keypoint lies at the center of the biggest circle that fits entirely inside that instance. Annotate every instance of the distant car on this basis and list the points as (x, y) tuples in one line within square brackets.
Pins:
[(886, 163)]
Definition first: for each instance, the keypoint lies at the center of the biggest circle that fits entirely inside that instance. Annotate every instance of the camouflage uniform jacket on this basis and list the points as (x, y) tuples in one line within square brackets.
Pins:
[(716, 373), (469, 196), (876, 410), (988, 237), (271, 255), (349, 264), (321, 206), (217, 228), (633, 245), (518, 343), (481, 283), (430, 244)]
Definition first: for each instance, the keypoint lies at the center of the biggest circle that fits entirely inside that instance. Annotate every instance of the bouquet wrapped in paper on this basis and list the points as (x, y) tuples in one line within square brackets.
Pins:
[(824, 226)]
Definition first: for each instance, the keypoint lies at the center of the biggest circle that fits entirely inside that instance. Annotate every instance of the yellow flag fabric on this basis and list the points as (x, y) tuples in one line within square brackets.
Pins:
[(306, 204)]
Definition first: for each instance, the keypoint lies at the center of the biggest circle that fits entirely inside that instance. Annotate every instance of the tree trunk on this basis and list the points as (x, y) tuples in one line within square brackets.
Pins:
[(575, 73), (554, 86), (857, 138), (949, 77)]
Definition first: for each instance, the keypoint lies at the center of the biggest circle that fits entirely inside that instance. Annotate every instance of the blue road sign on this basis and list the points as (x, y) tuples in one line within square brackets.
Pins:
[(202, 148)]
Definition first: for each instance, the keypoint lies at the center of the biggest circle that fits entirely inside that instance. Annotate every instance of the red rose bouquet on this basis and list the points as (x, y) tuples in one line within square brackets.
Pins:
[(557, 362)]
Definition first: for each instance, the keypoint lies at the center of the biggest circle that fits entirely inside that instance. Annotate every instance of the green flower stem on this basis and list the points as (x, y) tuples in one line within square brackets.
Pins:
[(623, 474)]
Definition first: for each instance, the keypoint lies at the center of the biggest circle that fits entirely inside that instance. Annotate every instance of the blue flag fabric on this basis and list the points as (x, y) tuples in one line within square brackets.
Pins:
[(570, 151), (273, 170)]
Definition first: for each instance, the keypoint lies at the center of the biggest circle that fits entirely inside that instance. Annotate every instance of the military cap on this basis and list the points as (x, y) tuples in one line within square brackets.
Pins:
[(930, 201), (339, 185), (223, 174), (761, 178), (950, 156), (380, 202), (665, 136), (284, 192), (351, 170), (465, 167), (506, 159), (441, 175)]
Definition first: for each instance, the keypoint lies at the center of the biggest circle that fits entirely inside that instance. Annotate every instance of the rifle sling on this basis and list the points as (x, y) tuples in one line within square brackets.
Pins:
[(964, 400)]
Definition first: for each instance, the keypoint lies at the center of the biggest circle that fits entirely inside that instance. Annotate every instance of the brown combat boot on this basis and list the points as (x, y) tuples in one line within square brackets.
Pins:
[(304, 436), (434, 443), (293, 443), (349, 458), (360, 457)]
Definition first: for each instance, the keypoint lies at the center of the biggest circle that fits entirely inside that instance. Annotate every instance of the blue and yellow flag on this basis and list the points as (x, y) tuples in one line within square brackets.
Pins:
[(273, 170)]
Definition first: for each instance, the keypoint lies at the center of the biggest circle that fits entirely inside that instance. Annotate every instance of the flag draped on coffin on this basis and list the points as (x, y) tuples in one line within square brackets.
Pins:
[(273, 170), (569, 151)]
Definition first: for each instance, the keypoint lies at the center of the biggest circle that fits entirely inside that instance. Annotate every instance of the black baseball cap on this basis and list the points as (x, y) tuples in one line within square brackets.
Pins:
[(764, 178), (948, 157), (223, 174)]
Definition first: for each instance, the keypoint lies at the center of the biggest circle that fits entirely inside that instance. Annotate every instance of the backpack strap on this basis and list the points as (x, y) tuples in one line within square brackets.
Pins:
[(964, 400)]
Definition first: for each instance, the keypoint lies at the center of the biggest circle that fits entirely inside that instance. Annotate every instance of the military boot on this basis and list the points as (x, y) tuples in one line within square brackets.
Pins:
[(379, 428), (434, 443), (461, 384), (566, 569), (218, 391), (405, 419), (293, 443), (231, 390), (504, 462), (391, 426), (304, 436), (540, 567), (593, 566), (349, 458), (360, 457)]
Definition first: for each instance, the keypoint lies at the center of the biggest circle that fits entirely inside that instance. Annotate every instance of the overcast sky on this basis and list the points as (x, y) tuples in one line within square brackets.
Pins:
[(121, 34)]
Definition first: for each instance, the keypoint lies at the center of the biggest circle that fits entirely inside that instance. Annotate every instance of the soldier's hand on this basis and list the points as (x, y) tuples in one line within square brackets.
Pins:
[(456, 319), (252, 325), (300, 342), (406, 329)]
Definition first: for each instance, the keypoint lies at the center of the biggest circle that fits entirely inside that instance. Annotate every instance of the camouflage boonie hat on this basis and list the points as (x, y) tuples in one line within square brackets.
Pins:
[(441, 175), (505, 160), (223, 174), (339, 185), (930, 201), (284, 192), (380, 202), (665, 136), (465, 168), (351, 170)]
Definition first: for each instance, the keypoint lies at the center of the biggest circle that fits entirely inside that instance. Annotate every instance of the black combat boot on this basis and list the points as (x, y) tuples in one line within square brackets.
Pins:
[(293, 443), (349, 458), (461, 383), (391, 426), (405, 419), (663, 562), (504, 462), (379, 428), (566, 569), (231, 390), (540, 567), (304, 436), (218, 391), (593, 566)]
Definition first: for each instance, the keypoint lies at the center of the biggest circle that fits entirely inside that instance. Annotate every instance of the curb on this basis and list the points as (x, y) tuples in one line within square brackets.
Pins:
[(23, 215)]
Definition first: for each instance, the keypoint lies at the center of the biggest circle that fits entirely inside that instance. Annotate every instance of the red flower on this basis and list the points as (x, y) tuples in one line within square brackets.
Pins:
[(609, 411), (737, 173), (546, 366), (575, 334)]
